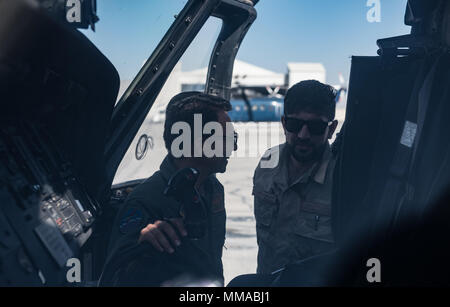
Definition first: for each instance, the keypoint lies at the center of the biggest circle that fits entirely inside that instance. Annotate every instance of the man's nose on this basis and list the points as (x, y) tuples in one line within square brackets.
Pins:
[(304, 133)]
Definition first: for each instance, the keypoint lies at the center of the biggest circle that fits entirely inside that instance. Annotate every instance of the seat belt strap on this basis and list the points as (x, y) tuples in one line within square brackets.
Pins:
[(424, 99), (394, 189)]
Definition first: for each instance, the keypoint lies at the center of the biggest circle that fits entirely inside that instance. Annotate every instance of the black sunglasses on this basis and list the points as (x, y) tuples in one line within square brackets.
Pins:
[(315, 127)]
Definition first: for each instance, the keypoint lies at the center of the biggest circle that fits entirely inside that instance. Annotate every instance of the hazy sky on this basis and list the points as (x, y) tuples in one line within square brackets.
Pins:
[(327, 31)]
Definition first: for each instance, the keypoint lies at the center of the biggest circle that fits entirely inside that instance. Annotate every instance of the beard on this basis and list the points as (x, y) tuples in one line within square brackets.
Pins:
[(314, 153)]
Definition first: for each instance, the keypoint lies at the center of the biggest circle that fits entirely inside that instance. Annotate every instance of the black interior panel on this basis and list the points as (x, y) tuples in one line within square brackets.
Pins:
[(377, 102), (54, 76)]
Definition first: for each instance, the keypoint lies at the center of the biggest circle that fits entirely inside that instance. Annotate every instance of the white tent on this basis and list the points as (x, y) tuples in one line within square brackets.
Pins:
[(243, 74), (298, 72)]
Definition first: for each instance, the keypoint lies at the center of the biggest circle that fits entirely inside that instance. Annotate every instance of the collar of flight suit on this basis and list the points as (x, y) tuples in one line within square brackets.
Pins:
[(168, 168), (211, 189), (317, 172)]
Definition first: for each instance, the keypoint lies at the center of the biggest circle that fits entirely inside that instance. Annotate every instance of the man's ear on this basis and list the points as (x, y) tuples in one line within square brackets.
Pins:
[(332, 129)]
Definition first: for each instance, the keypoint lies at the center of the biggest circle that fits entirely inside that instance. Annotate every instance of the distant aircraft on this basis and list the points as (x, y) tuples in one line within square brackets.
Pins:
[(257, 104), (266, 103), (342, 90)]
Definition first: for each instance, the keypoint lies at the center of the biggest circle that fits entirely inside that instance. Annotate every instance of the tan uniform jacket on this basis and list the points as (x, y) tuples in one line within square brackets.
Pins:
[(293, 220)]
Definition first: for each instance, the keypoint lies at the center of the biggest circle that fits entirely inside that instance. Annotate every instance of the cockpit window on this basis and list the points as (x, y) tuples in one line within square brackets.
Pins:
[(143, 23), (147, 150), (129, 31)]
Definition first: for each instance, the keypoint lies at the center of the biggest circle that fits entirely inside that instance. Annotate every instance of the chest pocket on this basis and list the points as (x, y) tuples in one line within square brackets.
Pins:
[(265, 207), (314, 220)]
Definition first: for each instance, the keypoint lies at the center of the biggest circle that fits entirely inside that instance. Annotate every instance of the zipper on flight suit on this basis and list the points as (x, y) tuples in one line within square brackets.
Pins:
[(316, 225)]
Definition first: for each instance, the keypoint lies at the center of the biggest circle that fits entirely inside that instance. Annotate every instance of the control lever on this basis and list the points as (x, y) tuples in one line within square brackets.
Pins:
[(182, 188)]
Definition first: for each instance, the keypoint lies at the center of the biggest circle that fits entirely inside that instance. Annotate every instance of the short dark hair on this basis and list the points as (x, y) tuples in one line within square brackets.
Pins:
[(184, 106), (311, 96)]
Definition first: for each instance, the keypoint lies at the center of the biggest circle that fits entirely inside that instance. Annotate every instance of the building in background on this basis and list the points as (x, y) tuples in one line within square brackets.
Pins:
[(244, 75), (298, 72)]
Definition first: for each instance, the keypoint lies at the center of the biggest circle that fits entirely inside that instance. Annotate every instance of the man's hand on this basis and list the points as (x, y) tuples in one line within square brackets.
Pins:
[(163, 236)]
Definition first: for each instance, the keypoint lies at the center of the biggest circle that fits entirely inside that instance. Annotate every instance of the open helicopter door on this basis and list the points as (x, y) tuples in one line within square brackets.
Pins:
[(394, 159)]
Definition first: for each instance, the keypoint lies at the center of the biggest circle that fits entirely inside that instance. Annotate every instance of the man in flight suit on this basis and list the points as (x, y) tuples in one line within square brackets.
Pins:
[(292, 203), (150, 218)]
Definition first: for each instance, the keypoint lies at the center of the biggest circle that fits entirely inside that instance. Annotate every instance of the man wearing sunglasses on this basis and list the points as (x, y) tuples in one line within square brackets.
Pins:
[(292, 202)]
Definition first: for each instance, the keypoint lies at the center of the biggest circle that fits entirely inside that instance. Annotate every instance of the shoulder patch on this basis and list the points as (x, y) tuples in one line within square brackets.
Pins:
[(268, 154), (132, 220)]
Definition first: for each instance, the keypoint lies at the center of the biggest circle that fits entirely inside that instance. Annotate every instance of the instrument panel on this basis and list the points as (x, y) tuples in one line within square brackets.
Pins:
[(46, 213)]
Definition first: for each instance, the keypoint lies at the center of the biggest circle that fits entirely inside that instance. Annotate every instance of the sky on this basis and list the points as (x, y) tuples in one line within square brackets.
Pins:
[(326, 31)]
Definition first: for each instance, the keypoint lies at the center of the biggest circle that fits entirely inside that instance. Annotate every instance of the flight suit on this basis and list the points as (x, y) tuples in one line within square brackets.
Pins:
[(293, 219), (146, 205)]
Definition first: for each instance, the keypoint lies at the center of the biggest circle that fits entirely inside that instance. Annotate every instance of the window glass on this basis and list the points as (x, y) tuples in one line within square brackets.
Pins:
[(189, 74)]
